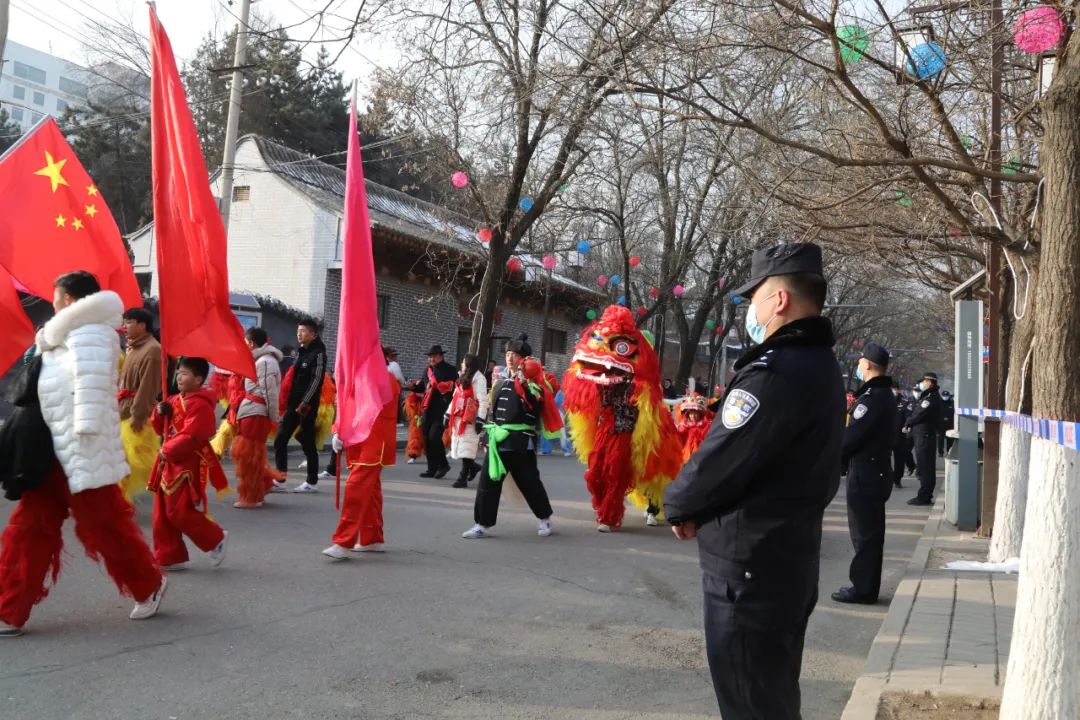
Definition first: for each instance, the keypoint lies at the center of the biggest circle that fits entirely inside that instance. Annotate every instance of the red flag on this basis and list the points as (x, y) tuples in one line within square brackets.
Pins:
[(363, 383), (56, 221), (192, 267), (18, 332)]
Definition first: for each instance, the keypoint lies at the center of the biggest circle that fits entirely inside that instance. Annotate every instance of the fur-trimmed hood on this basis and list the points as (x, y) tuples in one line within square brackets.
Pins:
[(267, 349), (101, 308)]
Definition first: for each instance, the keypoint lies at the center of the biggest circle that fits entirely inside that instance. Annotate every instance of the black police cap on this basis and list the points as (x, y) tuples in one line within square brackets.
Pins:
[(781, 260), (930, 376), (876, 354)]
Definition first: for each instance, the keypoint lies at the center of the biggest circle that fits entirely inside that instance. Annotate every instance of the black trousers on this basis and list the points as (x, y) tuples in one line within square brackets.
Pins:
[(754, 660), (900, 454), (289, 424), (926, 464), (522, 467), (866, 522), (434, 449)]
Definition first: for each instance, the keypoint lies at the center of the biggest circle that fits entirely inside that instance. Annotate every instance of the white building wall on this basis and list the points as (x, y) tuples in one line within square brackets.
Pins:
[(27, 110)]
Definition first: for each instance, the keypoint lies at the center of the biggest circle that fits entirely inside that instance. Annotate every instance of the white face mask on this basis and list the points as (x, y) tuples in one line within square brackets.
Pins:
[(755, 329)]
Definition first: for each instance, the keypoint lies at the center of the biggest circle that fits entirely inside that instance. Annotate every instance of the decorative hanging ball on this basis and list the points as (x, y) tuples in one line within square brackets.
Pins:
[(1038, 30), (484, 235), (903, 200), (602, 280), (563, 188), (634, 261), (1011, 168), (678, 290), (642, 312), (654, 293), (616, 279), (591, 314), (854, 42), (621, 300), (514, 264), (583, 246), (550, 262), (710, 324), (721, 283), (927, 61), (721, 330), (526, 204), (459, 179), (955, 232), (736, 299), (968, 141)]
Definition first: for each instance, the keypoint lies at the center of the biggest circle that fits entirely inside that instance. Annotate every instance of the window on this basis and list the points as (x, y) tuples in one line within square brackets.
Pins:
[(28, 72), (464, 335), (17, 114), (19, 92), (72, 87), (39, 98), (241, 193), (555, 341), (35, 117), (382, 307), (61, 106)]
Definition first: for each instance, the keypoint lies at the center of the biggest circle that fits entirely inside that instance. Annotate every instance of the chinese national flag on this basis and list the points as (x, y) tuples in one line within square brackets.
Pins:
[(196, 319), (55, 220), (18, 333)]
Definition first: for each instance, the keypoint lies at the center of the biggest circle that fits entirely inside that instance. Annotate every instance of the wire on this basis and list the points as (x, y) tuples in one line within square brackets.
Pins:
[(1017, 313)]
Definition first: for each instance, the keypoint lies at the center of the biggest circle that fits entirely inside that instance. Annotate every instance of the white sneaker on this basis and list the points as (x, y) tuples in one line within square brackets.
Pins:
[(476, 531), (9, 631), (373, 547), (324, 475), (603, 528), (650, 520), (567, 453), (148, 608), (217, 555), (410, 461), (279, 486), (544, 528), (302, 466), (336, 552), (305, 487)]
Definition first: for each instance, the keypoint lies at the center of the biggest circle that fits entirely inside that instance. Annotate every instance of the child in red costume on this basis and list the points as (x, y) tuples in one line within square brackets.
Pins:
[(361, 526), (693, 420), (414, 411), (184, 467)]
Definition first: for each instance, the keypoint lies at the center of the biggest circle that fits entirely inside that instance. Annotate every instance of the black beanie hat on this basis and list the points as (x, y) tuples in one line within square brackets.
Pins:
[(520, 345)]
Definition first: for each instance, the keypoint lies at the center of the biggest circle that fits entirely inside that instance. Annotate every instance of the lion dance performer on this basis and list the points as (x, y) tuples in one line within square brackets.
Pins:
[(693, 420), (140, 385), (618, 423)]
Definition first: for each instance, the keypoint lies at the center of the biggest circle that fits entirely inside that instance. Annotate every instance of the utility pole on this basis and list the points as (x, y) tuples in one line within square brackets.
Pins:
[(5, 8), (233, 126)]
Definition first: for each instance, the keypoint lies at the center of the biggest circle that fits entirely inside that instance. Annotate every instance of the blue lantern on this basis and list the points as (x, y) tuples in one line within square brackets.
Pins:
[(616, 279), (928, 59), (583, 246), (622, 298), (736, 299), (526, 204)]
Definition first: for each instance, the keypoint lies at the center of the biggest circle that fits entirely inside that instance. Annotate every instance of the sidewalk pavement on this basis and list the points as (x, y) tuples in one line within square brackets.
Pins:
[(947, 632)]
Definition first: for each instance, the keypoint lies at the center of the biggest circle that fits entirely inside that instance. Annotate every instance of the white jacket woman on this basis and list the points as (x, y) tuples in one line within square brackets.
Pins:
[(468, 405), (267, 385), (80, 354)]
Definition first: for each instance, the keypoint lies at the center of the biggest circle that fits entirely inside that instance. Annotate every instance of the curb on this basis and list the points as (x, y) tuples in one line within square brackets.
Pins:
[(866, 695)]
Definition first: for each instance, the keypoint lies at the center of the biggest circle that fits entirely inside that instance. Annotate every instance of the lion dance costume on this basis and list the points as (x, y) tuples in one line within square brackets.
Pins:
[(618, 423), (414, 412), (693, 420)]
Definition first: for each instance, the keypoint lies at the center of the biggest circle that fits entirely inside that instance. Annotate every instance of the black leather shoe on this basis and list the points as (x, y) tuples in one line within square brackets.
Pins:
[(847, 595), (919, 501), (428, 473), (441, 473), (460, 483), (897, 484)]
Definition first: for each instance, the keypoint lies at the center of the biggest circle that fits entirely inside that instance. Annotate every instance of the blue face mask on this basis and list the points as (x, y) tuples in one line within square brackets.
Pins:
[(858, 374), (754, 329)]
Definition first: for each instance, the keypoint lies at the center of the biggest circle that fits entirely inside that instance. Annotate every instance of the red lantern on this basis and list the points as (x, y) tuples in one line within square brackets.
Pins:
[(634, 261), (720, 331), (513, 264), (484, 235), (654, 293), (642, 312)]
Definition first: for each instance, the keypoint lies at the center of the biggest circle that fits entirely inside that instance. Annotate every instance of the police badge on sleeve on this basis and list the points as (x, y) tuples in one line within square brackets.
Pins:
[(859, 411), (738, 409)]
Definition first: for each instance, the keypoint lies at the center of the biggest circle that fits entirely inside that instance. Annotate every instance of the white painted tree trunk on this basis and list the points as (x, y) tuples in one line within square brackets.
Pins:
[(1012, 494), (1041, 682)]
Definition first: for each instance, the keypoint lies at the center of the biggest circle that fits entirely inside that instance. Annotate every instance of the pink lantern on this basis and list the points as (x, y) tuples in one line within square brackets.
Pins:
[(602, 280), (459, 179), (550, 262), (678, 290), (484, 235), (513, 264), (722, 283), (654, 293), (634, 261), (1038, 30)]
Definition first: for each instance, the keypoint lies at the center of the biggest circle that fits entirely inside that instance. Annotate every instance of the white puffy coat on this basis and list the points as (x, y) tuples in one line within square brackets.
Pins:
[(266, 385), (467, 444), (80, 354)]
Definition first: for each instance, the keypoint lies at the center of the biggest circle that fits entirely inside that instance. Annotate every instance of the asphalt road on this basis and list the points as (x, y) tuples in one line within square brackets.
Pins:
[(577, 625)]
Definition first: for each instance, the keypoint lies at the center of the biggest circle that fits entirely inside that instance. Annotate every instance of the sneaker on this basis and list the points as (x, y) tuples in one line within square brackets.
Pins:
[(244, 505), (175, 566), (9, 631), (544, 528), (217, 555), (305, 487), (373, 547), (567, 453), (603, 528), (325, 475), (148, 608), (476, 531), (279, 486), (302, 466), (650, 520), (410, 461), (336, 552)]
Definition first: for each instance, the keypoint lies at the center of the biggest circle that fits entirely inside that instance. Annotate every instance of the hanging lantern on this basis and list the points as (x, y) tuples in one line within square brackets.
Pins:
[(710, 323), (616, 279), (927, 61), (1011, 168), (563, 188), (736, 299), (721, 283), (590, 314), (1038, 30), (526, 204), (550, 262), (583, 246), (903, 200), (621, 300), (514, 265), (968, 141), (678, 290), (720, 331), (602, 280), (484, 235), (853, 43), (654, 293), (459, 179), (642, 312), (634, 261)]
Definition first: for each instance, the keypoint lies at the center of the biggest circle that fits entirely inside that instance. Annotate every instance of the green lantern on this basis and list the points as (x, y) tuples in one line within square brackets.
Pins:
[(968, 141), (1011, 168), (591, 314), (710, 324), (853, 43), (903, 200)]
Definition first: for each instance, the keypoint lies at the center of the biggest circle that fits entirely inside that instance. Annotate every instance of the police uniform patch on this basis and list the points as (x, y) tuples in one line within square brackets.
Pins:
[(859, 411), (739, 408), (926, 403)]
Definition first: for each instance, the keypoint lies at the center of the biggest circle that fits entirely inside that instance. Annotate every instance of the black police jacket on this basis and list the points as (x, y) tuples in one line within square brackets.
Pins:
[(869, 438), (925, 419), (758, 486), (308, 373)]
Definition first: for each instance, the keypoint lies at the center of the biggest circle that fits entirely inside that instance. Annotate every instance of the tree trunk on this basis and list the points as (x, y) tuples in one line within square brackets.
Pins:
[(1041, 681), (490, 293)]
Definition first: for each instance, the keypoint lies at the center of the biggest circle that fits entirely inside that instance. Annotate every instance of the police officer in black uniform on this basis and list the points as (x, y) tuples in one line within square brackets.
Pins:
[(755, 493), (901, 448), (868, 442), (924, 424), (948, 413)]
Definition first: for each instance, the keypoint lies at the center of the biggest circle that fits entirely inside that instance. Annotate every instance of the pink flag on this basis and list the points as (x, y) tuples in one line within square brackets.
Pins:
[(363, 383)]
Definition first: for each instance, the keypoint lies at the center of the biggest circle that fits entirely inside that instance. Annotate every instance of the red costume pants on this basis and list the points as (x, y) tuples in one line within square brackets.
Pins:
[(361, 511), (32, 542), (254, 475), (176, 515), (608, 477)]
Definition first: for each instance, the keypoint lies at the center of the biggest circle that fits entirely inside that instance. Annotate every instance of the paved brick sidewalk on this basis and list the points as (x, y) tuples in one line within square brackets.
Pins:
[(947, 632)]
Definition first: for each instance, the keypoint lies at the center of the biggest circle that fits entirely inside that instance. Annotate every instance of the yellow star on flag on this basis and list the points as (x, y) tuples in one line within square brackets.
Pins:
[(60, 220), (91, 210), (91, 190), (52, 171), (77, 224)]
